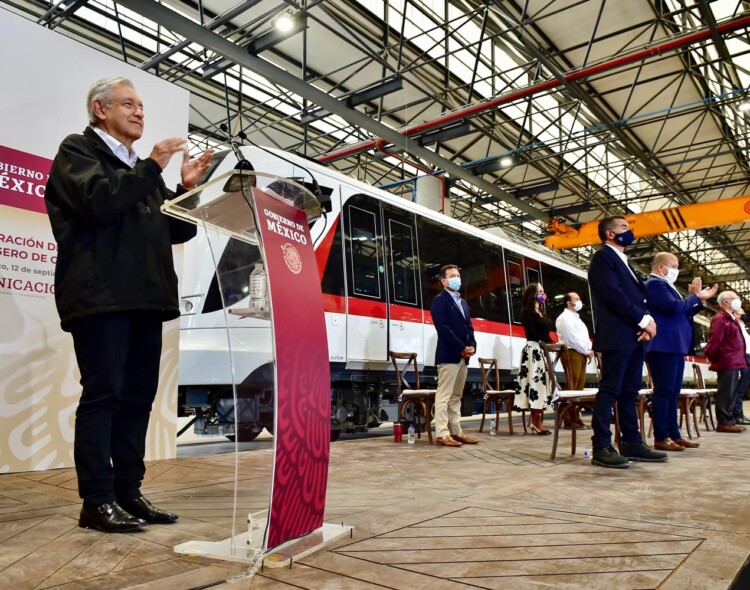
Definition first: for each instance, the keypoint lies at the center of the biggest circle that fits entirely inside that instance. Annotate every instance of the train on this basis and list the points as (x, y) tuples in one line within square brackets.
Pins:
[(379, 257)]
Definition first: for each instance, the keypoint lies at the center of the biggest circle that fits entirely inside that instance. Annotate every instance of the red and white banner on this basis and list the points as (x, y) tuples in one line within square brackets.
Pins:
[(303, 396)]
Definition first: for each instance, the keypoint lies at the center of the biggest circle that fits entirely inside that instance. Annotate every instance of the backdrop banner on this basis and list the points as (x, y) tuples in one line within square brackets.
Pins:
[(39, 379), (303, 399)]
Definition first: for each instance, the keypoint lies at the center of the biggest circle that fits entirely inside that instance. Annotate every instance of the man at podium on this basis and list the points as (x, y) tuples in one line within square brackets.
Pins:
[(114, 286)]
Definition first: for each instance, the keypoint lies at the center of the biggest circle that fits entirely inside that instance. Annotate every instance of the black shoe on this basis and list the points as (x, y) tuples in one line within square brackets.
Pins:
[(742, 420), (609, 457), (641, 452), (109, 518), (144, 509)]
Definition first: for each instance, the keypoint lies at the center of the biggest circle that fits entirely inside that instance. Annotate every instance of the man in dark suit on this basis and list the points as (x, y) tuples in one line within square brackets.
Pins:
[(666, 352), (622, 323), (455, 346)]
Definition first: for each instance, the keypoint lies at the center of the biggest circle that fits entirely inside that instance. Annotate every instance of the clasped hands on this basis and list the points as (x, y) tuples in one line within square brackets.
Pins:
[(468, 352), (192, 170)]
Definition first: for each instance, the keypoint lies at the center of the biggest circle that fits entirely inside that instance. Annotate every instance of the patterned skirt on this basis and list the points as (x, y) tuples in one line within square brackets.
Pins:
[(532, 386)]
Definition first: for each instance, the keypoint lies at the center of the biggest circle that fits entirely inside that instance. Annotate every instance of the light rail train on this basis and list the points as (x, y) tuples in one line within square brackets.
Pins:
[(379, 258)]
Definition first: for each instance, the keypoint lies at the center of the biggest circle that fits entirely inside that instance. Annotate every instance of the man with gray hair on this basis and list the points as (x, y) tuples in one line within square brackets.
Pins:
[(114, 287), (726, 351)]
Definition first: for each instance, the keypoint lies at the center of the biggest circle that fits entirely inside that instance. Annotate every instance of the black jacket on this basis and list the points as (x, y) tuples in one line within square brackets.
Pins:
[(114, 243)]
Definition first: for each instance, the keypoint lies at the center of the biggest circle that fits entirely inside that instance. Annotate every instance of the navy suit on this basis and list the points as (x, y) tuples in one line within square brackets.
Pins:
[(665, 354), (455, 333), (619, 301), (454, 329)]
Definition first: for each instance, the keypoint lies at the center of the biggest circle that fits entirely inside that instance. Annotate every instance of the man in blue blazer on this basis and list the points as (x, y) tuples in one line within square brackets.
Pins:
[(622, 324), (455, 346), (666, 352)]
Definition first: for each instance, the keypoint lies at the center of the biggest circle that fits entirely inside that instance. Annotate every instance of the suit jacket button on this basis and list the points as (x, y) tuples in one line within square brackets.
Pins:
[(644, 301)]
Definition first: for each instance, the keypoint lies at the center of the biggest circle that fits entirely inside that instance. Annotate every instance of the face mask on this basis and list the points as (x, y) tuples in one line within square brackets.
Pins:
[(454, 283), (672, 274), (736, 304), (541, 297), (578, 305), (625, 238)]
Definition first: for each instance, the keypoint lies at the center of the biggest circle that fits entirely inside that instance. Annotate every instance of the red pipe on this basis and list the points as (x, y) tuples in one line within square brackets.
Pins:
[(689, 39)]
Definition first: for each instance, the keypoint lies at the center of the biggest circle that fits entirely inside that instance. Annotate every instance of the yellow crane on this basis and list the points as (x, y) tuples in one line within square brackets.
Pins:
[(652, 223)]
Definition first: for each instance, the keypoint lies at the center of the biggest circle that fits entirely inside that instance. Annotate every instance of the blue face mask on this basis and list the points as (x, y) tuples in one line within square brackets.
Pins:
[(625, 238), (454, 283)]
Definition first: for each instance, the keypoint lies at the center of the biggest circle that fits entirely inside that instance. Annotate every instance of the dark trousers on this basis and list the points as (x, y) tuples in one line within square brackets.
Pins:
[(741, 389), (118, 356), (622, 375), (726, 381), (667, 370)]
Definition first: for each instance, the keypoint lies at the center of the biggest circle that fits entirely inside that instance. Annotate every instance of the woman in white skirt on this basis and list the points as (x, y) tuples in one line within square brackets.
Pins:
[(533, 390)]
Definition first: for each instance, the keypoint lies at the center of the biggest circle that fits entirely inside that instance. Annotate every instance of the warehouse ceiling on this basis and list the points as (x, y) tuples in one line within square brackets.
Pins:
[(532, 110)]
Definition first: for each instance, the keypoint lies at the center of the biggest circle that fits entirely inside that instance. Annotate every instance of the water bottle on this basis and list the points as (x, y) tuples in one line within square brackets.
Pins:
[(493, 427), (258, 287), (410, 438), (588, 453)]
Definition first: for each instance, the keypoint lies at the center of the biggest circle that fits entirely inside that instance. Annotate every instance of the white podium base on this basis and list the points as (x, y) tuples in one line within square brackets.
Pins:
[(245, 547)]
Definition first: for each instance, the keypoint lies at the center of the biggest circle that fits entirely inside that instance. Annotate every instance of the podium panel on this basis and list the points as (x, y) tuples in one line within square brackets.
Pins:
[(282, 294)]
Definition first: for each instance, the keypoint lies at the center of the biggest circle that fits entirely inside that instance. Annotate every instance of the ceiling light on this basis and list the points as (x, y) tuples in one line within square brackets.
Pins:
[(505, 162), (284, 22)]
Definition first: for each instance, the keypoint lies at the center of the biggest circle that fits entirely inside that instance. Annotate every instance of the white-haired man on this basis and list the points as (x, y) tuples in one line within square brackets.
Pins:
[(114, 286), (726, 351)]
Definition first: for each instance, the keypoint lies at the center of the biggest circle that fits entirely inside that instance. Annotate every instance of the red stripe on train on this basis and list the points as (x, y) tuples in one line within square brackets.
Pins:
[(324, 248)]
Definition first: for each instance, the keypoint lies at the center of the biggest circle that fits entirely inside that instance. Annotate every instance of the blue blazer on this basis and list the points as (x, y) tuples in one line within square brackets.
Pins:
[(454, 329), (619, 302), (673, 315)]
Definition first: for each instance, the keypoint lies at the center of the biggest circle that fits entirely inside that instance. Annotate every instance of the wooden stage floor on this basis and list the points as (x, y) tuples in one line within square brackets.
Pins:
[(497, 515)]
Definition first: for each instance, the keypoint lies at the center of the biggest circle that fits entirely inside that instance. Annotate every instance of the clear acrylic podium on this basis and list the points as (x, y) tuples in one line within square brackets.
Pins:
[(281, 302)]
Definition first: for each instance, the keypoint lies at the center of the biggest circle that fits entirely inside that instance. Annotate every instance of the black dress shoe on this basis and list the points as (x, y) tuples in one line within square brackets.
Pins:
[(742, 420), (641, 452), (609, 457), (109, 518), (144, 509)]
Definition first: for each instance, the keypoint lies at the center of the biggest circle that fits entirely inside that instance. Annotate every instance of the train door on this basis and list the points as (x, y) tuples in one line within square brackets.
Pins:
[(367, 325), (405, 314)]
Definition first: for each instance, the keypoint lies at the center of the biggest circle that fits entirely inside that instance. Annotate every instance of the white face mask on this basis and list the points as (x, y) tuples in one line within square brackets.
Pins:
[(578, 305), (672, 274), (736, 304)]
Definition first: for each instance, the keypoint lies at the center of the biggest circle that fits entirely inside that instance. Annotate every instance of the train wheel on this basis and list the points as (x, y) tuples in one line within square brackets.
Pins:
[(246, 433)]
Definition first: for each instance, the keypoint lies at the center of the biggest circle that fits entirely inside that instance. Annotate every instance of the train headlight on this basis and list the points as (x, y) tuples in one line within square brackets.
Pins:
[(189, 305)]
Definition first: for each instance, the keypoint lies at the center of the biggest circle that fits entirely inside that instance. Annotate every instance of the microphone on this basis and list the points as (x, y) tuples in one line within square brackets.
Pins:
[(233, 144), (316, 187)]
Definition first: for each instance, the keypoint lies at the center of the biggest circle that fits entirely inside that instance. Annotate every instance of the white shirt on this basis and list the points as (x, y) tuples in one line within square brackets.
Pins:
[(572, 332), (126, 157), (745, 335), (457, 300), (621, 255)]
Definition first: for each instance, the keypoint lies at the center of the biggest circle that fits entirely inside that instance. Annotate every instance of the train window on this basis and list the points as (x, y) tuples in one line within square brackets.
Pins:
[(557, 283), (235, 265), (403, 262), (365, 258), (533, 275), (333, 283), (515, 284), (480, 263)]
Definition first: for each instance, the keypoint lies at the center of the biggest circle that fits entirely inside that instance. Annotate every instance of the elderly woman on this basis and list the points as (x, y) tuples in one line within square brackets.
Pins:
[(533, 388)]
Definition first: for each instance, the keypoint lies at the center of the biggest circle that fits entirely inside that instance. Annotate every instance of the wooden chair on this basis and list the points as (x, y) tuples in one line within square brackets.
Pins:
[(421, 400), (496, 395), (566, 402), (687, 402), (707, 397)]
